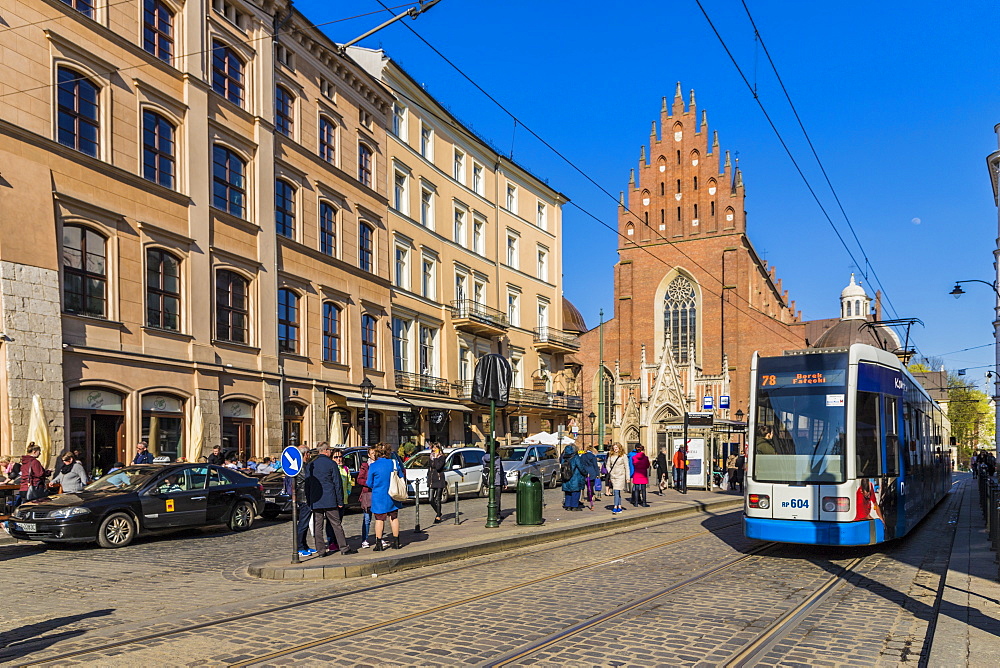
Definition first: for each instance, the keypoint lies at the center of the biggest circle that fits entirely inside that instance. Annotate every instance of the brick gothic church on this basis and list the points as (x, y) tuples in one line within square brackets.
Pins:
[(693, 300)]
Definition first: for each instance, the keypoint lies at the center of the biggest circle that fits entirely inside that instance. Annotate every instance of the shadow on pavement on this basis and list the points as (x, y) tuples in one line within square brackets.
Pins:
[(25, 640)]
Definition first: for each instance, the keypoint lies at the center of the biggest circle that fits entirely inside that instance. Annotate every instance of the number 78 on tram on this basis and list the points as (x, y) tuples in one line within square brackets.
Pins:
[(845, 447)]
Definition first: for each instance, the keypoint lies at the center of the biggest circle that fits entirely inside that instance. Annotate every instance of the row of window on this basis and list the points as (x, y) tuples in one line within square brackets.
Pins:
[(85, 292), (400, 119)]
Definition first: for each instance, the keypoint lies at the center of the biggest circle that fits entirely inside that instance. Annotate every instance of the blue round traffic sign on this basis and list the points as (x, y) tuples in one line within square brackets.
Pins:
[(291, 460)]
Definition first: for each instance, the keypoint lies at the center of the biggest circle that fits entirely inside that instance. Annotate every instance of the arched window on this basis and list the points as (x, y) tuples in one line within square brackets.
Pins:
[(680, 310), (629, 229), (227, 73), (848, 314), (288, 321), (857, 307), (327, 140), (85, 273), (159, 151), (79, 125), (163, 290), (284, 111), (608, 383), (158, 29), (284, 209), (228, 182), (365, 167), (328, 228), (331, 332), (366, 247), (232, 309), (369, 348)]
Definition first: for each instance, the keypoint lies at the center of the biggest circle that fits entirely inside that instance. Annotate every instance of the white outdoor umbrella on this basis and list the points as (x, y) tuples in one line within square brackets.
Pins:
[(38, 430), (336, 429), (197, 441), (536, 439)]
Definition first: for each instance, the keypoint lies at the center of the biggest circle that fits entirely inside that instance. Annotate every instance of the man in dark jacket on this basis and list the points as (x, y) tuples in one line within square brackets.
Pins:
[(662, 470), (142, 455), (216, 456), (326, 498)]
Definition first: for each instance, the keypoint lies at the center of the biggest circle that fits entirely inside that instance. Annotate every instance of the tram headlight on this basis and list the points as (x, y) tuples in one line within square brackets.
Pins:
[(759, 501), (836, 504)]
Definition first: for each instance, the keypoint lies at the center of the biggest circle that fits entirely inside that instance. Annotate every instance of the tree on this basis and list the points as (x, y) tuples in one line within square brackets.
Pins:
[(971, 416)]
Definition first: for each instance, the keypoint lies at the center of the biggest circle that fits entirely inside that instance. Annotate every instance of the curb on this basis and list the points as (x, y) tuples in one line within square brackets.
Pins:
[(270, 570)]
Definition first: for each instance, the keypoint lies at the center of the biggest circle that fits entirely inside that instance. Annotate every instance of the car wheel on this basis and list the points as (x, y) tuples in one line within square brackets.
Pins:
[(242, 516), (270, 514), (445, 495), (554, 481), (116, 530)]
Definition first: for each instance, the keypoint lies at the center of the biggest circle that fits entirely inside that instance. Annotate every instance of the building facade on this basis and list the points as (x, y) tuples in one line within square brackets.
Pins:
[(198, 239), (693, 300), (476, 268)]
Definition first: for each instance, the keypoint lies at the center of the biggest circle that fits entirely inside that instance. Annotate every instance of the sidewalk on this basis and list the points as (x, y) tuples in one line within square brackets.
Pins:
[(447, 541), (968, 625)]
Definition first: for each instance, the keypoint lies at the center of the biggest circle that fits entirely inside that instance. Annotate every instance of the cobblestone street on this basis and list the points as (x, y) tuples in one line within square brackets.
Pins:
[(477, 611)]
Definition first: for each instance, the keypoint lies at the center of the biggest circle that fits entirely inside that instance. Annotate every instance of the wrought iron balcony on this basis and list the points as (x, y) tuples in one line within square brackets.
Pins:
[(471, 316), (552, 340), (418, 382), (530, 398)]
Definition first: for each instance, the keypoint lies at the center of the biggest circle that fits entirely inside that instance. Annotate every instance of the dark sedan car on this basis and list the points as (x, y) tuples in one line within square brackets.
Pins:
[(142, 499)]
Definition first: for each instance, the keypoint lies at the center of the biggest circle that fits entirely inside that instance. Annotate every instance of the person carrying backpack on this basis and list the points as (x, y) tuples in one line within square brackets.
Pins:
[(573, 475)]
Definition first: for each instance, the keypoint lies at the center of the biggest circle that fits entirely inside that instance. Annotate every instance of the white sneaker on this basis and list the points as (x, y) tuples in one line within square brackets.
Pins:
[(365, 544)]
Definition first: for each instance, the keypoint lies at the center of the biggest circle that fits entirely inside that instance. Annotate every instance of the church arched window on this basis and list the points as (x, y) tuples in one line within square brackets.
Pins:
[(680, 313), (848, 309), (857, 307)]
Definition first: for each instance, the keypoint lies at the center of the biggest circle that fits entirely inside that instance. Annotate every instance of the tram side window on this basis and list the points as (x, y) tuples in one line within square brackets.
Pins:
[(891, 467), (866, 440)]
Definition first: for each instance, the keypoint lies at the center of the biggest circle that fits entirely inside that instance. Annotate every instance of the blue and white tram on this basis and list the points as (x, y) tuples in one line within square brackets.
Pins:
[(845, 448)]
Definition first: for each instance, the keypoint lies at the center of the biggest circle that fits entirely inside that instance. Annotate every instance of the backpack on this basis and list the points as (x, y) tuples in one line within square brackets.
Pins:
[(566, 469)]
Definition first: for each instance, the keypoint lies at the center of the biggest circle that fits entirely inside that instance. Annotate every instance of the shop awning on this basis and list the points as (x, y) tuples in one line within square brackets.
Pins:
[(440, 405), (381, 402)]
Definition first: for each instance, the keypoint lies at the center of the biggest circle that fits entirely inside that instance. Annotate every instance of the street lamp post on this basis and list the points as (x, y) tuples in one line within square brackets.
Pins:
[(593, 436), (957, 292), (367, 387)]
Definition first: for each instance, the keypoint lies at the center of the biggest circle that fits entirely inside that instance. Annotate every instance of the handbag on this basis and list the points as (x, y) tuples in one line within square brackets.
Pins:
[(397, 486), (607, 473), (39, 491)]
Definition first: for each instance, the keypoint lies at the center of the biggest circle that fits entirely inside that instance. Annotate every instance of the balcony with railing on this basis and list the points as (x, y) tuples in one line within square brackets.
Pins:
[(552, 340), (418, 382), (471, 316), (530, 398)]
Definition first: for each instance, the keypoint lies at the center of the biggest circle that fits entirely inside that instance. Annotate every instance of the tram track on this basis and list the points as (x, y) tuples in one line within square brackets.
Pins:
[(366, 590)]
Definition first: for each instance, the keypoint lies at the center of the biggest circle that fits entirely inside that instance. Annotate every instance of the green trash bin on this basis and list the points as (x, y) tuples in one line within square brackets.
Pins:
[(529, 500)]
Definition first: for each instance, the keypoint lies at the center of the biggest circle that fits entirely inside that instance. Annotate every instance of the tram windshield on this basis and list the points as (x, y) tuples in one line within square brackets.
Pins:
[(801, 419)]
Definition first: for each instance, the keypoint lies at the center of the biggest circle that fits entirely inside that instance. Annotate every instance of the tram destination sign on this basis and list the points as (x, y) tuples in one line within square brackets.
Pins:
[(823, 378)]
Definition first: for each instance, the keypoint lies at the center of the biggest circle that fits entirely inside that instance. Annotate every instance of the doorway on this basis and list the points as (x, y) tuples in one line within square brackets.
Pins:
[(100, 438)]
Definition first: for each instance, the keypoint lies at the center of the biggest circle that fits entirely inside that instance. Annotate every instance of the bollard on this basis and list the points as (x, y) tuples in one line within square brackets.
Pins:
[(416, 503), (456, 503)]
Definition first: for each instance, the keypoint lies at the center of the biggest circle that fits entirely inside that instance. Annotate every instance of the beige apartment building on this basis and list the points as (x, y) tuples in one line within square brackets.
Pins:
[(193, 233), (476, 268), (208, 237)]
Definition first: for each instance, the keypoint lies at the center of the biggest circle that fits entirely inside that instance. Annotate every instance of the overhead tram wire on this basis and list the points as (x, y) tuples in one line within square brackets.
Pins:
[(812, 148), (584, 174), (791, 157), (248, 42)]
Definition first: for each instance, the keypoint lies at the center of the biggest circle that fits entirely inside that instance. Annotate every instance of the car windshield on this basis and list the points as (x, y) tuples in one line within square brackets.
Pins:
[(801, 419), (512, 454), (420, 460), (128, 479)]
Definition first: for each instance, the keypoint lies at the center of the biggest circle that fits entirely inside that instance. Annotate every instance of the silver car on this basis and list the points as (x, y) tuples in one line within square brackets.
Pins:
[(461, 465), (540, 460)]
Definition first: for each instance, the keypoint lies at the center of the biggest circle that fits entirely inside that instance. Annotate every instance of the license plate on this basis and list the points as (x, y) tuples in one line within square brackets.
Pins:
[(29, 528)]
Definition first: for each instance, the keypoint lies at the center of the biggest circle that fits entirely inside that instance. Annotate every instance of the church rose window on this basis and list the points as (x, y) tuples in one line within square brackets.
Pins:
[(680, 312)]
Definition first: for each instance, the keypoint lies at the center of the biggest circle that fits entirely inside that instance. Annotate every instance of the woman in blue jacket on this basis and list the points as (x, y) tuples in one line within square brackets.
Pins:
[(384, 506), (570, 463)]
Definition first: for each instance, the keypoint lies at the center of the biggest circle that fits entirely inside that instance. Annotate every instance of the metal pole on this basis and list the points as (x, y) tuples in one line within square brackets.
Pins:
[(492, 508), (684, 443), (456, 503), (366, 423), (416, 502), (295, 524)]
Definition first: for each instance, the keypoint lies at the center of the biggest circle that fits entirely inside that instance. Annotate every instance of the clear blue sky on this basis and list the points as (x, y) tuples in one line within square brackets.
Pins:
[(899, 98)]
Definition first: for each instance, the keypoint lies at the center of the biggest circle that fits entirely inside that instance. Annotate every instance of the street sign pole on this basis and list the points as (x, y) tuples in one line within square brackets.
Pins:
[(291, 464), (492, 509)]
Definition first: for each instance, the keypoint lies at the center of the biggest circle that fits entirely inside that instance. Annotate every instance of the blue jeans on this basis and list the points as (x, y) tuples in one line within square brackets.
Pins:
[(366, 523), (305, 515), (680, 480), (618, 498), (572, 500)]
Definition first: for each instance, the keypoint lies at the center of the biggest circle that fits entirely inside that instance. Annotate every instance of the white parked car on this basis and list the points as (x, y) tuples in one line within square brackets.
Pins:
[(461, 465)]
